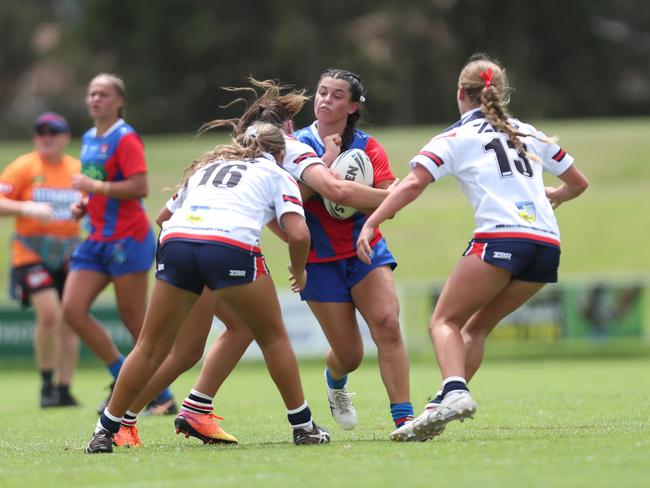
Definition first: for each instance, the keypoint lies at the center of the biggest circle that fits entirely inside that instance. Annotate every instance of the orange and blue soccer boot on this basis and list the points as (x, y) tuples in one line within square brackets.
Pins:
[(203, 426), (127, 437)]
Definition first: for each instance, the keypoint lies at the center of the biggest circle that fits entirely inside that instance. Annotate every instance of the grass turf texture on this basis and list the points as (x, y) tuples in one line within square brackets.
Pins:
[(540, 423)]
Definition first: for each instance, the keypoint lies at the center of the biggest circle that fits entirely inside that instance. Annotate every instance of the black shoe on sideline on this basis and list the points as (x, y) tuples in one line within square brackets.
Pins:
[(49, 396)]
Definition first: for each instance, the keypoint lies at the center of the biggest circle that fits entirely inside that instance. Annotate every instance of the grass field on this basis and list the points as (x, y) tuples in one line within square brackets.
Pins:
[(546, 423), (541, 422)]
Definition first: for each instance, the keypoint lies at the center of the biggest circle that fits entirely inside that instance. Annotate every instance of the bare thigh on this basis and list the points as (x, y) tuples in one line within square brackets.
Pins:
[(339, 324), (131, 297), (515, 294), (471, 286)]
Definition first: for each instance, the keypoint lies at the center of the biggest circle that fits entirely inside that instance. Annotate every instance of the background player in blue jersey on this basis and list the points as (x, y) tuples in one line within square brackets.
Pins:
[(339, 283), (498, 162), (120, 246)]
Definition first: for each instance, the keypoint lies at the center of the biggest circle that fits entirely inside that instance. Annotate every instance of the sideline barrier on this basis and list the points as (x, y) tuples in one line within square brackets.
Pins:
[(596, 311), (17, 329)]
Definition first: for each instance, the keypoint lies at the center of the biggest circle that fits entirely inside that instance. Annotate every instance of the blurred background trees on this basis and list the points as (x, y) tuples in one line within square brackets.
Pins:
[(578, 58)]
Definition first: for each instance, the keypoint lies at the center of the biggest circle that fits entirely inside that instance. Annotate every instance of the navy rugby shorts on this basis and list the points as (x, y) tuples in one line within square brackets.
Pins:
[(191, 265), (527, 260)]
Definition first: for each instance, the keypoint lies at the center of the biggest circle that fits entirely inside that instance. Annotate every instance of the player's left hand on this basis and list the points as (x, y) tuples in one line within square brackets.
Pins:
[(297, 281), (553, 195), (364, 251)]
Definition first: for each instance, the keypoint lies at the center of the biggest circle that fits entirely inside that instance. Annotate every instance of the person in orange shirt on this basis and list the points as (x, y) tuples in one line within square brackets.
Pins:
[(36, 188)]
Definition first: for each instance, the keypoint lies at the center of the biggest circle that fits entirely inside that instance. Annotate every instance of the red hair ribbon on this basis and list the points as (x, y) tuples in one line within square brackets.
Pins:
[(487, 76)]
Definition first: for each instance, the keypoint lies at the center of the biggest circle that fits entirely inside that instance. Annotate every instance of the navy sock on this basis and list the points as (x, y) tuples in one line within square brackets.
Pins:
[(453, 383), (299, 417), (109, 424), (336, 384), (401, 412), (115, 367)]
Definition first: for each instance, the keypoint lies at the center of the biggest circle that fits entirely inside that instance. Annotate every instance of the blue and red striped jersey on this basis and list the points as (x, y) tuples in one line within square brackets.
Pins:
[(332, 238), (114, 156)]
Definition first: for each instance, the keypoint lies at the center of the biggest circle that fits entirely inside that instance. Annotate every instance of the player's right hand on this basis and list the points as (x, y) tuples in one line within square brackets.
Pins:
[(37, 210), (79, 209)]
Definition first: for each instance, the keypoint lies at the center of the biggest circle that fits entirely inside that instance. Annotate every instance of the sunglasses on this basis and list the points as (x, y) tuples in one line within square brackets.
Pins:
[(48, 131)]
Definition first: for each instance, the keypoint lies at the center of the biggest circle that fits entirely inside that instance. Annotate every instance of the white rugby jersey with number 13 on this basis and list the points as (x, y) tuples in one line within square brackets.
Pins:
[(505, 189)]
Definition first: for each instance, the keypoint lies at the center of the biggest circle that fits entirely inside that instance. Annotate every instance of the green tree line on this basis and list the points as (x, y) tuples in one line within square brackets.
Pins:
[(581, 58)]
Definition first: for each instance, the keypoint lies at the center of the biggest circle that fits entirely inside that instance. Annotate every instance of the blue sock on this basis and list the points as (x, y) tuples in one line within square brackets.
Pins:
[(401, 412), (166, 395), (336, 384), (115, 367)]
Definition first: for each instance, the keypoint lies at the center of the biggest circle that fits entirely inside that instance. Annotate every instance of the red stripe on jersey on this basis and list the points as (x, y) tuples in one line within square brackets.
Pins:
[(516, 235), (302, 157), (559, 155), (198, 237), (436, 159), (289, 198)]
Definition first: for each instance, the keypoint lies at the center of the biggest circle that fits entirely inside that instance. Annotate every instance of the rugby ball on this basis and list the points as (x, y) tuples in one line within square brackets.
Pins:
[(352, 165)]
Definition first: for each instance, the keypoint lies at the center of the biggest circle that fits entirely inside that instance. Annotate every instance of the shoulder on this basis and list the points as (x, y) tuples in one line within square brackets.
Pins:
[(308, 135), (294, 145), (27, 163), (72, 163)]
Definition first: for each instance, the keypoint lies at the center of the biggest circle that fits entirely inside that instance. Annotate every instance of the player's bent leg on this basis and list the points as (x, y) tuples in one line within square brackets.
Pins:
[(481, 324), (376, 298), (339, 324), (167, 311), (81, 289), (131, 298), (455, 307), (46, 341), (258, 306)]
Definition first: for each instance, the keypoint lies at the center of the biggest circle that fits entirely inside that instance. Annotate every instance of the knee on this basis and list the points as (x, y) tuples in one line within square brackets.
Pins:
[(387, 331), (73, 315), (351, 363), (444, 325), (350, 358)]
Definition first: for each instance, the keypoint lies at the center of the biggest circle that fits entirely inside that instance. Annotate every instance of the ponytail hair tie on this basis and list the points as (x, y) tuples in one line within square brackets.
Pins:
[(251, 131), (487, 76), (362, 99)]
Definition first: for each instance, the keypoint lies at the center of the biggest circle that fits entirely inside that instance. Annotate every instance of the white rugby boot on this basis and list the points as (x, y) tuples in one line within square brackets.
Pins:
[(457, 405), (343, 411), (405, 432)]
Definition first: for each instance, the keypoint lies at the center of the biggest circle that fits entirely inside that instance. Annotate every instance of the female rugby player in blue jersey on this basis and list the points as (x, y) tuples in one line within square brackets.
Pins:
[(273, 103), (120, 246), (515, 251), (339, 283)]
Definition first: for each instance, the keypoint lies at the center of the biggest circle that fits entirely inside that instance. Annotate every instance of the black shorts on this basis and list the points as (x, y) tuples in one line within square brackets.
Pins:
[(193, 265), (527, 260), (31, 278)]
